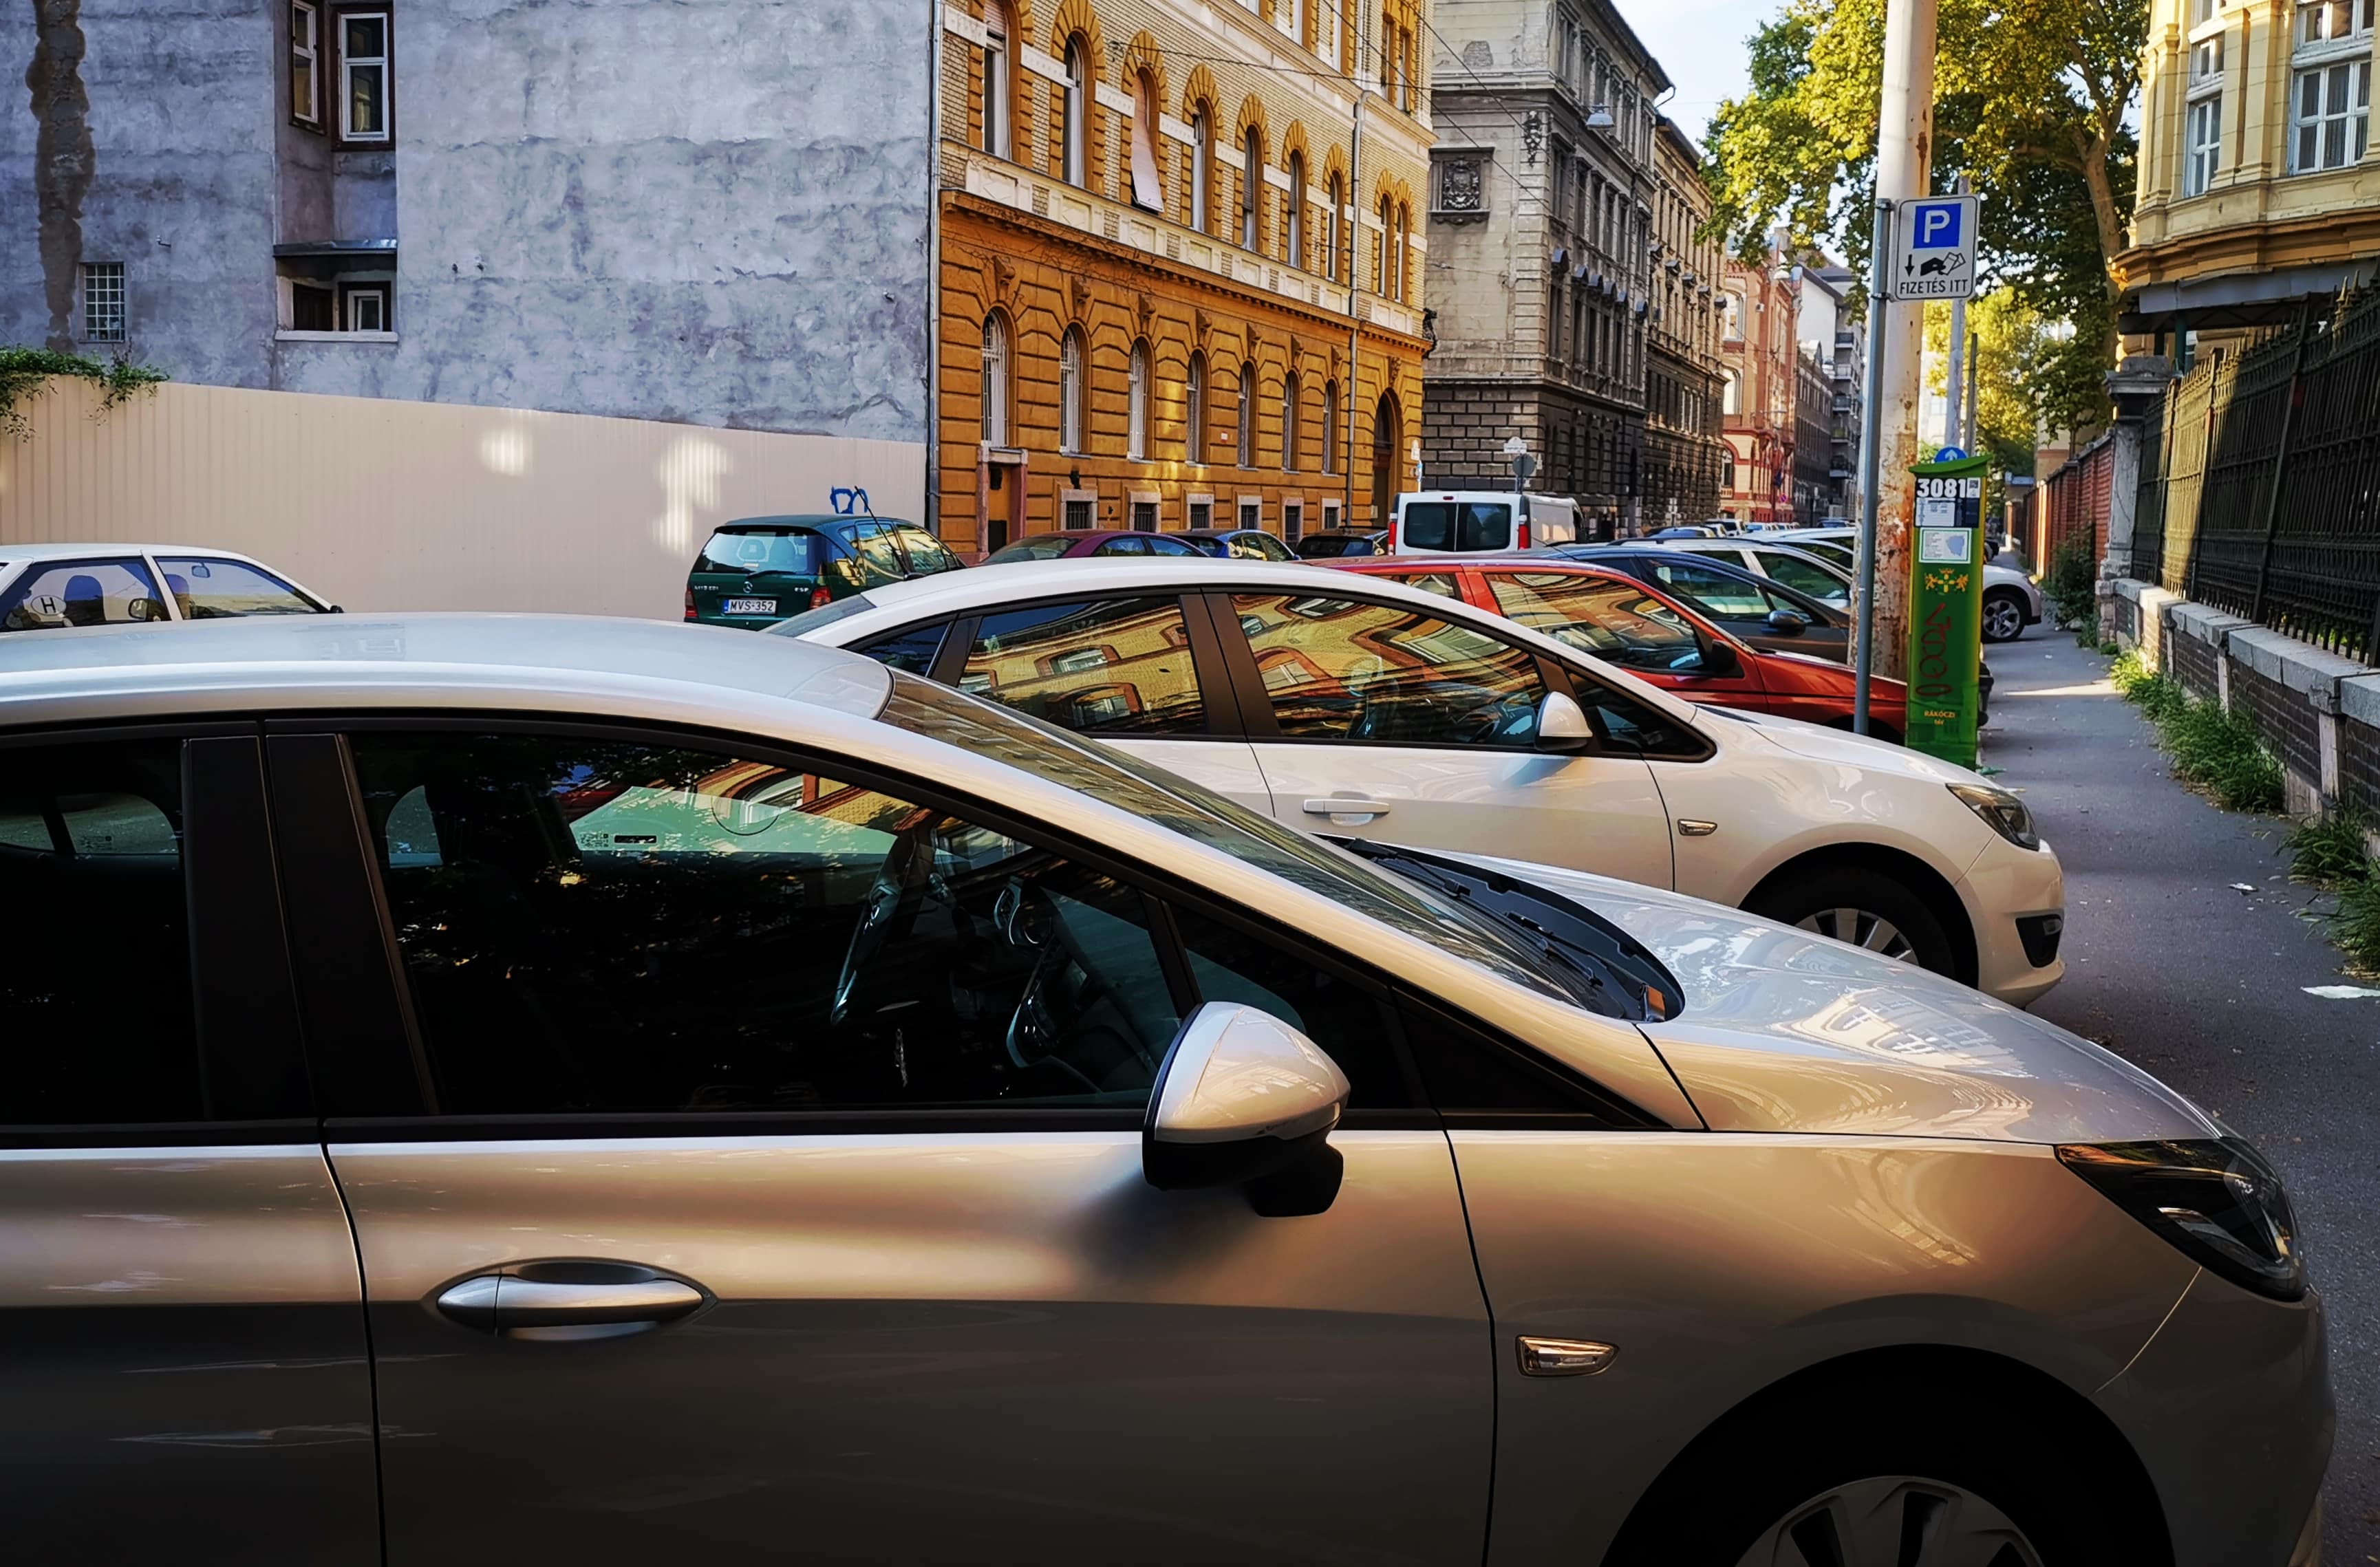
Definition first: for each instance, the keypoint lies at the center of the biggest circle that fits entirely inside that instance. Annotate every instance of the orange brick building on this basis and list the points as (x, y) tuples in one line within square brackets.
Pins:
[(1178, 286)]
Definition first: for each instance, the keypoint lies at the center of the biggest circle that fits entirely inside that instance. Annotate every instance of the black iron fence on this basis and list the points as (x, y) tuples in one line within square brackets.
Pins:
[(2260, 482)]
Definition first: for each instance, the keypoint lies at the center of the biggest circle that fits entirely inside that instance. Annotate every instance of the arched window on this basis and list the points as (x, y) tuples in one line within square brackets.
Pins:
[(1289, 424), (1294, 245), (1148, 187), (1251, 188), (1193, 391), (995, 380), (1329, 427), (998, 83), (1731, 395), (1070, 392), (1246, 416), (1400, 263), (1202, 169), (1381, 272), (1136, 406), (1075, 124), (1337, 196)]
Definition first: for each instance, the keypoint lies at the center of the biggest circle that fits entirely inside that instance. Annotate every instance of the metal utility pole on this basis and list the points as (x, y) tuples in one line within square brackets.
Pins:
[(1954, 382), (1903, 159), (1974, 441), (1871, 439)]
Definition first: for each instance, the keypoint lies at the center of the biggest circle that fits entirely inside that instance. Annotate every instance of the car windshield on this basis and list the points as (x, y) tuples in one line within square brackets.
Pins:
[(1039, 547), (1458, 524), (1116, 779), (795, 552), (1828, 587)]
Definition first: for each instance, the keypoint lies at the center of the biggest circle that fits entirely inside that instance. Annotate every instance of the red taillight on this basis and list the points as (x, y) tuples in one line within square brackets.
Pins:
[(689, 601), (820, 598), (1392, 536), (1525, 533)]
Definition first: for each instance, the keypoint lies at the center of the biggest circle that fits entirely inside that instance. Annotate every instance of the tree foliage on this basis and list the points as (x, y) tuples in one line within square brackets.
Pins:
[(2030, 102), (24, 371)]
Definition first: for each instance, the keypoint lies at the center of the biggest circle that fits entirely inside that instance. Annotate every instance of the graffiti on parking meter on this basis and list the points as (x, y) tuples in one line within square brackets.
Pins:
[(1946, 610)]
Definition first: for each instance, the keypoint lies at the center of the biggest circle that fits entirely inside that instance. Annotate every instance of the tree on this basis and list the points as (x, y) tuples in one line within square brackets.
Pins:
[(2012, 338), (2029, 101)]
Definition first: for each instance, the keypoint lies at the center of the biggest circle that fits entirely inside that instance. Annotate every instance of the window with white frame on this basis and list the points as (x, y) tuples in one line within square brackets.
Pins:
[(1070, 392), (1252, 189), (363, 307), (1202, 168), (1193, 413), (2330, 92), (305, 64), (363, 76), (998, 82), (1202, 511), (995, 380), (1136, 441), (1289, 390), (1293, 239), (1381, 268), (103, 302), (1075, 128), (2202, 139), (1337, 196), (1147, 186)]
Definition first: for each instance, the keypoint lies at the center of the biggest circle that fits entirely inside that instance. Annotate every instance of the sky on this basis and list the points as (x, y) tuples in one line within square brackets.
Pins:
[(1700, 44)]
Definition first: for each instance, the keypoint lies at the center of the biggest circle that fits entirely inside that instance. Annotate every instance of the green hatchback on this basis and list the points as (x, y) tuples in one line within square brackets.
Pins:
[(758, 570)]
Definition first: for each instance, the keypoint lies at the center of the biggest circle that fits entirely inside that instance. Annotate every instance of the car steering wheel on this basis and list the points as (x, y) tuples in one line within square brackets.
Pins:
[(897, 881)]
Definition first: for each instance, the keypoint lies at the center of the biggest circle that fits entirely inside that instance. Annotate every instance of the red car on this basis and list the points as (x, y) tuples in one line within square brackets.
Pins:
[(1622, 622)]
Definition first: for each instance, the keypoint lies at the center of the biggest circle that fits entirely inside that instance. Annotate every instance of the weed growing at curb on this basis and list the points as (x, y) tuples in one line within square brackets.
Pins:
[(2218, 750), (2329, 850)]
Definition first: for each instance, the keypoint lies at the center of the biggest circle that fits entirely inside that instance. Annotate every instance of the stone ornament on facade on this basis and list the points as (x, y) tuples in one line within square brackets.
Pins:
[(1460, 190)]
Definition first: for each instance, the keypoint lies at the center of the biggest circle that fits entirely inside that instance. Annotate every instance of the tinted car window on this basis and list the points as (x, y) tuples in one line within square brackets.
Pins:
[(1113, 667), (1719, 593), (603, 925), (1807, 577), (1036, 547), (927, 553), (1340, 668), (1261, 546), (800, 555), (1602, 615), (913, 649), (1160, 544), (1123, 544), (94, 592), (1228, 965), (205, 589), (1458, 524), (1330, 546), (95, 981)]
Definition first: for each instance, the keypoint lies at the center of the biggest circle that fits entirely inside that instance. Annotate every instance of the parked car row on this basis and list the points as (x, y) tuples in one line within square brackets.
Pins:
[(659, 1084)]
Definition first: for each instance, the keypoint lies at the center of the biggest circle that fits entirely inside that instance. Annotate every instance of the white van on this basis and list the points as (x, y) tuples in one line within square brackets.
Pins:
[(1480, 522)]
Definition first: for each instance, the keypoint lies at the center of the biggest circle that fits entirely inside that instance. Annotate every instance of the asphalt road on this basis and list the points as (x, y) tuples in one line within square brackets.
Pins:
[(2172, 966)]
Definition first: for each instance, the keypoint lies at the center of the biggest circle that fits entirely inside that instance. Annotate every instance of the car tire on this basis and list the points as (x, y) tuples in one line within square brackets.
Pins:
[(1790, 1482), (1863, 907), (2003, 615)]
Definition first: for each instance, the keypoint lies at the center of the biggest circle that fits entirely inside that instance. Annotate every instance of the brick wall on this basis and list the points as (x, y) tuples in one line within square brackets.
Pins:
[(2284, 717), (2193, 662), (2358, 766)]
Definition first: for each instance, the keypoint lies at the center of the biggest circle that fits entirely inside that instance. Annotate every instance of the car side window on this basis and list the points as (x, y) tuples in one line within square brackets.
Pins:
[(1626, 725), (96, 982), (928, 555), (1123, 544), (94, 592), (1343, 668), (1344, 1018), (1807, 577), (1605, 616), (207, 589), (912, 650), (604, 925), (1730, 597), (1159, 544), (1107, 666), (1441, 583)]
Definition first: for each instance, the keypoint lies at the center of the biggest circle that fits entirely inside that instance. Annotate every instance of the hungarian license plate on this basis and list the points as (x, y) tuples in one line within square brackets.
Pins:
[(751, 606)]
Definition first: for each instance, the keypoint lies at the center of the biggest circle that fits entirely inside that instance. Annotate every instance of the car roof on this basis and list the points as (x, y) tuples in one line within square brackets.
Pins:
[(1488, 559), (56, 550), (956, 592), (801, 520), (467, 661)]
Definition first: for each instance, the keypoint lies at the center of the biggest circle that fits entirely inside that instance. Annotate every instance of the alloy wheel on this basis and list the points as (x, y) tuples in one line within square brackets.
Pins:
[(1893, 1520), (1860, 928), (2003, 620)]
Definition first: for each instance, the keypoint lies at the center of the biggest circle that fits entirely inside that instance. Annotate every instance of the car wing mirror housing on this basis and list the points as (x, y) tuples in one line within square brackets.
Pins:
[(1720, 659), (1785, 623), (1244, 1099), (1562, 723)]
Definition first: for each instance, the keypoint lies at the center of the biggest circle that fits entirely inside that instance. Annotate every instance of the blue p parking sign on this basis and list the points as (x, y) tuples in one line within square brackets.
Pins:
[(1934, 249)]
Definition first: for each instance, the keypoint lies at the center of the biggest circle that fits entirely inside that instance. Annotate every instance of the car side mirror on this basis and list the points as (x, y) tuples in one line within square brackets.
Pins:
[(1244, 1099), (143, 609), (1719, 661), (1562, 723), (1785, 623)]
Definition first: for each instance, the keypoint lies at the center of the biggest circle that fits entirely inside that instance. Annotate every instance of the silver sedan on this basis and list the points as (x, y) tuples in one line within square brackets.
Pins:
[(496, 1089)]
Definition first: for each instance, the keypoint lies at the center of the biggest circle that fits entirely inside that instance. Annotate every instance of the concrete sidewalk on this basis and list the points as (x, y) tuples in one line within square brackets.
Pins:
[(2172, 966)]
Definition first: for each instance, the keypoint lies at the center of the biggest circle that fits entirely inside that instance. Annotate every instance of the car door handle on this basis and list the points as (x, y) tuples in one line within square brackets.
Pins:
[(569, 1294), (1340, 804)]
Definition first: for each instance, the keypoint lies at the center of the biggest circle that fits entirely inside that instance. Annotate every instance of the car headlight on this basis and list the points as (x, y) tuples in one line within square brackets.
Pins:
[(2218, 1201), (2001, 811)]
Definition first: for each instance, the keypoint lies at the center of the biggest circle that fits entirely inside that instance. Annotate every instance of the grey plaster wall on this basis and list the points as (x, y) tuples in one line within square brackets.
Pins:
[(709, 211)]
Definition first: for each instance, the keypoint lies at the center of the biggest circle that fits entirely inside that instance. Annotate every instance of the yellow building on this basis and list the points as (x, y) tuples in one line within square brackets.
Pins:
[(1180, 285), (2260, 176)]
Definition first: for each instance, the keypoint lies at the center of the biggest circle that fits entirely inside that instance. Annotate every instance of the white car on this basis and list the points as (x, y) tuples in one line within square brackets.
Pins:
[(522, 1088), (1358, 706), (2012, 599), (56, 586)]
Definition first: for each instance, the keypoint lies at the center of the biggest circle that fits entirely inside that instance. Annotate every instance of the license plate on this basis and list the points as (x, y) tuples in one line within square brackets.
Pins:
[(751, 606)]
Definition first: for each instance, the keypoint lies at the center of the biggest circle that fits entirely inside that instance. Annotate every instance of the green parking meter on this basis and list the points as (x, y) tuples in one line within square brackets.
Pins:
[(1946, 608)]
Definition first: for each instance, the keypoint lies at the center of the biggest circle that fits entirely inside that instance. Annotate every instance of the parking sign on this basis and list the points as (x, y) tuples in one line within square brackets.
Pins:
[(1934, 247)]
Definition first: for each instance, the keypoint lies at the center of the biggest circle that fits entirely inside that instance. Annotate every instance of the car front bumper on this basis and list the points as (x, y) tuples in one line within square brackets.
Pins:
[(2229, 1408), (2010, 894)]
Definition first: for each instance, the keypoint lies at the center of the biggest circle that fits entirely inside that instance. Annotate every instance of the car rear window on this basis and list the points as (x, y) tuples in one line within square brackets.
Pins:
[(1458, 524), (1039, 547), (795, 552)]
